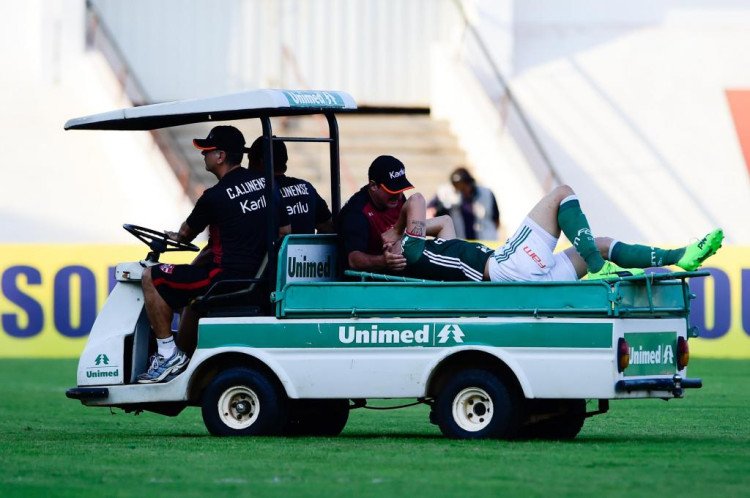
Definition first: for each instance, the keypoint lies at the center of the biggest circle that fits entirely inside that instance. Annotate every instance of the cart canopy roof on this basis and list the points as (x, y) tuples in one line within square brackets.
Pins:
[(249, 104)]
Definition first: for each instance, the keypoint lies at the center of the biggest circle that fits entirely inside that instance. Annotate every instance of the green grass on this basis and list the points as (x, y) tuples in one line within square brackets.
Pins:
[(52, 446)]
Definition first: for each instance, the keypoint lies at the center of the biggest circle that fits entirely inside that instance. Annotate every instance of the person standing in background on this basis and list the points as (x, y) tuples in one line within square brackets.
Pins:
[(472, 208)]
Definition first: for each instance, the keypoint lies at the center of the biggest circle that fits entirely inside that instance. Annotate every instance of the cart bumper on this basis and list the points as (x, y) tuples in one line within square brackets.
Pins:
[(86, 393), (676, 385)]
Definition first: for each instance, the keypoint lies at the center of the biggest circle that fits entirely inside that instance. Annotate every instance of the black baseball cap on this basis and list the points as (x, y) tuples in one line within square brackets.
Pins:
[(280, 156), (390, 174), (226, 138)]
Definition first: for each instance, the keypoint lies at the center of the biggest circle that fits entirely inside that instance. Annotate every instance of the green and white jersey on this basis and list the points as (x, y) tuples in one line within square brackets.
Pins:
[(448, 260)]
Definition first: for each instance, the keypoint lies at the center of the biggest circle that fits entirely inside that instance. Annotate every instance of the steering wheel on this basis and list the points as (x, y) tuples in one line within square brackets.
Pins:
[(158, 242)]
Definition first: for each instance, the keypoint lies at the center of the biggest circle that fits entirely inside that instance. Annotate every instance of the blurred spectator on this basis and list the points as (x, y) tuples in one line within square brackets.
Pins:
[(472, 208)]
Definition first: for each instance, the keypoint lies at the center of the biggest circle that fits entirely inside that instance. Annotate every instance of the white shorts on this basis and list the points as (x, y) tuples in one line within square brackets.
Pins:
[(528, 256)]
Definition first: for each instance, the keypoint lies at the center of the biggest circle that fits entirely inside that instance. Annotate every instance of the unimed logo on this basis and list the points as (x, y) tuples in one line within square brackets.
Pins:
[(394, 334), (102, 368), (310, 98), (450, 331), (659, 355), (651, 353), (378, 334)]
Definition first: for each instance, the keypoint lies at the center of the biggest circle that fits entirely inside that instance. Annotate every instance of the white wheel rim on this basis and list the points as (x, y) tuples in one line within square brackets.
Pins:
[(472, 409), (239, 407)]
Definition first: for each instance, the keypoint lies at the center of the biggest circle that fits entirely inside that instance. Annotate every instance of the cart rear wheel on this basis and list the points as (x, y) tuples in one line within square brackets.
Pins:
[(476, 404), (242, 402), (317, 417), (565, 423)]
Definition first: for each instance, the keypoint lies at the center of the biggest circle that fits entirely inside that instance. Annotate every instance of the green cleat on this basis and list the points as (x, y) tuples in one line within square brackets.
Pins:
[(697, 252), (611, 271)]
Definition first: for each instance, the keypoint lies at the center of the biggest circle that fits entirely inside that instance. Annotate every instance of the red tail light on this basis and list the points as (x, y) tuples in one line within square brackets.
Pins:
[(683, 353), (623, 354)]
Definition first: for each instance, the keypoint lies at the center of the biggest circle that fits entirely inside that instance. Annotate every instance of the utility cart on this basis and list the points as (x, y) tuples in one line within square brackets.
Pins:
[(294, 351)]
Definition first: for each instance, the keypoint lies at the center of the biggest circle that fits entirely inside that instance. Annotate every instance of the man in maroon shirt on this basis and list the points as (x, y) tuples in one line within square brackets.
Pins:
[(370, 212)]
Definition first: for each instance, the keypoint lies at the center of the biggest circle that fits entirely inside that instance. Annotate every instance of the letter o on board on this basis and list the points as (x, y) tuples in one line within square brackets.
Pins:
[(722, 301), (62, 294)]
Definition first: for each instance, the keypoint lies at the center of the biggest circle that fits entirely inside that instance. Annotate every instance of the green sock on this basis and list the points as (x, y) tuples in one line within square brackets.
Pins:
[(576, 228), (638, 256)]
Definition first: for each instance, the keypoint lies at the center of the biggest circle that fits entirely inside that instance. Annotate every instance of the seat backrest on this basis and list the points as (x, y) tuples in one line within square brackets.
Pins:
[(307, 258)]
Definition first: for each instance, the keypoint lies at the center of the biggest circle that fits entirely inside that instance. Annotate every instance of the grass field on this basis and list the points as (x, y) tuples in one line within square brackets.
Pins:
[(51, 446)]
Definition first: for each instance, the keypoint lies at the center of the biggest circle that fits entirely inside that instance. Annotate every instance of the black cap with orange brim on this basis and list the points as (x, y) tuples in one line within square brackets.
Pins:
[(390, 174), (226, 138)]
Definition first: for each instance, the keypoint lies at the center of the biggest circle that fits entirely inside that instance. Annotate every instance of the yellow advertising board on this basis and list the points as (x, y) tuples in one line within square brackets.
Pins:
[(50, 295), (721, 309)]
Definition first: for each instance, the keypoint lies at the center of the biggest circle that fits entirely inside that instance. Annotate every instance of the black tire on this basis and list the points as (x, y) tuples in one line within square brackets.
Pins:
[(243, 402), (317, 417), (477, 404), (566, 422)]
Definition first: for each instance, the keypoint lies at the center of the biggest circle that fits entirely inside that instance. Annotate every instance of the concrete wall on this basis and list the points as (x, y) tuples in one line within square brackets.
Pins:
[(75, 186), (629, 100), (375, 49)]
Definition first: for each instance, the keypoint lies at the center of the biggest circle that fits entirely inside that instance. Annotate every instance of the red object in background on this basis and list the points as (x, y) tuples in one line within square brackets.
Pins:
[(739, 104)]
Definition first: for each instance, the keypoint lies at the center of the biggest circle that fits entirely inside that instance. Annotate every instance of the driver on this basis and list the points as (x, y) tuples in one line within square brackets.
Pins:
[(235, 210)]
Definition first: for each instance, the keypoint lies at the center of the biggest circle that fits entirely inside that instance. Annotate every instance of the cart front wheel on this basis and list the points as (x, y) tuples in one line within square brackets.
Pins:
[(242, 402)]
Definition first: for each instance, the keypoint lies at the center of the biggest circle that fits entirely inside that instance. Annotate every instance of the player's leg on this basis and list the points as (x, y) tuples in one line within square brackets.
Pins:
[(688, 258), (635, 256), (560, 210), (577, 261), (441, 227), (609, 270)]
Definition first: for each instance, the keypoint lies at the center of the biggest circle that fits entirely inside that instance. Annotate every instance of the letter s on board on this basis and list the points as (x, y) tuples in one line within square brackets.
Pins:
[(32, 308)]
